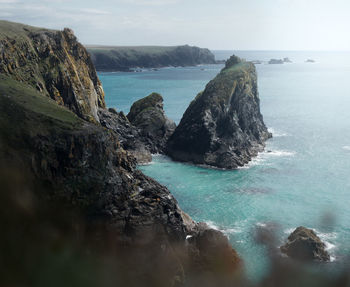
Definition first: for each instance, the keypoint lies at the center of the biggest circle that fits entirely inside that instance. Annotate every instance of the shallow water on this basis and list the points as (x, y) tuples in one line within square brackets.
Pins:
[(302, 178)]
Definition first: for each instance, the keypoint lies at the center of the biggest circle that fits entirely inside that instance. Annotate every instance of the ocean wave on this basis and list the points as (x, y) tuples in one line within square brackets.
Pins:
[(227, 231), (262, 157), (346, 147)]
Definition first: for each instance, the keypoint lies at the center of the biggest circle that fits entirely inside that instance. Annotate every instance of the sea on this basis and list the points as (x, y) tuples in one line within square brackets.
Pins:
[(301, 179)]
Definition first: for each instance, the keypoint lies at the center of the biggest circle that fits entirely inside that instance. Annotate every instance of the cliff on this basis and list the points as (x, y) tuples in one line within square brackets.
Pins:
[(50, 129), (223, 126), (54, 63), (125, 58)]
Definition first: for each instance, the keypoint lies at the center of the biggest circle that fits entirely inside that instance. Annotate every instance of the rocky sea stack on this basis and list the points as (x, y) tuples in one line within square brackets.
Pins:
[(303, 244), (148, 115), (223, 126)]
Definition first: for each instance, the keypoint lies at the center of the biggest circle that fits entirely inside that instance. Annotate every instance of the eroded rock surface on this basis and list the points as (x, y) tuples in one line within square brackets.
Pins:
[(223, 126), (148, 115)]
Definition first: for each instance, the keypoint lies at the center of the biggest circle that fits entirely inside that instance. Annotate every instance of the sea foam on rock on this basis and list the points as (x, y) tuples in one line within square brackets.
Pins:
[(304, 244)]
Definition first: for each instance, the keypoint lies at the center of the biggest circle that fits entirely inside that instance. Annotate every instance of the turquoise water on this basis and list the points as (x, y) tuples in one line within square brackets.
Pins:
[(303, 176)]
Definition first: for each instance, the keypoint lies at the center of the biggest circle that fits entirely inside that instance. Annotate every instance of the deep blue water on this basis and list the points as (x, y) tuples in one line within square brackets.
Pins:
[(303, 176)]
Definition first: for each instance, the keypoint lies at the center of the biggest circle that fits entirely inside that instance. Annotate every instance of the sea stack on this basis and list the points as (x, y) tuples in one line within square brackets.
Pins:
[(148, 115), (223, 126)]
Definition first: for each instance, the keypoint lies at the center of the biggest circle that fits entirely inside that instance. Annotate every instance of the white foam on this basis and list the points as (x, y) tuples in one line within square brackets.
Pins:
[(346, 147), (327, 238), (260, 224), (265, 155), (212, 225), (226, 231)]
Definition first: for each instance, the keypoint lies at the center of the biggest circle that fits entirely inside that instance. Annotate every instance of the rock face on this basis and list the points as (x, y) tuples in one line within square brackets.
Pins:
[(304, 244), (54, 63), (148, 115), (80, 163), (223, 126), (126, 58), (129, 136)]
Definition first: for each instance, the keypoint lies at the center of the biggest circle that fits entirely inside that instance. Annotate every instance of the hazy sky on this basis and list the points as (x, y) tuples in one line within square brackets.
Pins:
[(220, 24)]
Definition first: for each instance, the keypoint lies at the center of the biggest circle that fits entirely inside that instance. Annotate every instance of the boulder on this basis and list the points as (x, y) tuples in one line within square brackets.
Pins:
[(304, 244)]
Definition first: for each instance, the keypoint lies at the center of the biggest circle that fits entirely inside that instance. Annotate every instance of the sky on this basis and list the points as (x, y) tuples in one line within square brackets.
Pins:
[(218, 25)]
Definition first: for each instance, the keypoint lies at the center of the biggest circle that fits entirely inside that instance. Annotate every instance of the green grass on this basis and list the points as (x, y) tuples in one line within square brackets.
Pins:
[(132, 49), (16, 30), (33, 102)]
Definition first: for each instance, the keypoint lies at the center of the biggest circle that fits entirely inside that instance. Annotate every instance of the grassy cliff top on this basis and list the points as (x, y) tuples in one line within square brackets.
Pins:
[(139, 49), (34, 103), (17, 30)]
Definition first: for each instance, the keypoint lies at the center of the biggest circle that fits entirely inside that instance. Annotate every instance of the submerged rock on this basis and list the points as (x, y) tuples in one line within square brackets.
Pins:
[(310, 61), (223, 126), (148, 115), (304, 244)]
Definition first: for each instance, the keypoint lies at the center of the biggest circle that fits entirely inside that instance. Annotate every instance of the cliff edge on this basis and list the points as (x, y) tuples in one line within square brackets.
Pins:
[(51, 102)]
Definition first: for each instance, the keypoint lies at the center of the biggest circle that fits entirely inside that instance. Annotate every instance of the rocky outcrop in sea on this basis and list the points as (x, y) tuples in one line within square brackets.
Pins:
[(148, 115), (223, 126), (304, 244)]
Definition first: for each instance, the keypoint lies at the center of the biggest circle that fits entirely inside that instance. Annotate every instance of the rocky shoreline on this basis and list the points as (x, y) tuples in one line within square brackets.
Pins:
[(55, 127)]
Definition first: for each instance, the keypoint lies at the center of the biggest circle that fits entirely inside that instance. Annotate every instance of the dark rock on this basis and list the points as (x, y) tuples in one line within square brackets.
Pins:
[(304, 244), (310, 61), (287, 60), (128, 135), (275, 61), (148, 115), (82, 164), (210, 250), (223, 126)]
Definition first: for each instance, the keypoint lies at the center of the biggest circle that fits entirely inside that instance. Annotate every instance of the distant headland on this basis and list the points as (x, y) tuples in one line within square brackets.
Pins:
[(128, 58)]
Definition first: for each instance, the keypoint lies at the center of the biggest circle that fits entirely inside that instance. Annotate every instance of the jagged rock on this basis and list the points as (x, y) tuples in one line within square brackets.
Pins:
[(223, 126), (80, 162), (148, 115), (128, 135), (287, 60), (304, 244), (55, 63)]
